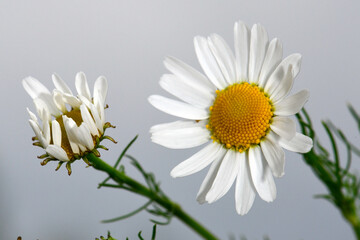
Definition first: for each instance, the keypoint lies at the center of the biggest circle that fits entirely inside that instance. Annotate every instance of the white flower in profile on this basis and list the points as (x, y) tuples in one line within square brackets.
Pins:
[(242, 106), (69, 127)]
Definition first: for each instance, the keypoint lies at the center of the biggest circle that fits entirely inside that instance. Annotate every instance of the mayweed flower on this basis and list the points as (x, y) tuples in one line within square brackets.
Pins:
[(70, 126), (242, 106)]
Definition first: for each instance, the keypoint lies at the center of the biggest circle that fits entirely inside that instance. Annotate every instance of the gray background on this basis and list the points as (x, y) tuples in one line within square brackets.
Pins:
[(127, 41)]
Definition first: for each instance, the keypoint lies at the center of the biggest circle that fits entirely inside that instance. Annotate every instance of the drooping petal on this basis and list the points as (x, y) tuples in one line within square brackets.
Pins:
[(272, 59), (186, 92), (293, 104), (261, 175), (82, 86), (181, 138), (225, 177), (224, 57), (300, 143), (244, 189), (56, 133), (208, 62), (60, 84), (283, 126), (258, 47), (274, 156), (197, 162), (57, 152), (176, 108), (210, 176), (242, 48), (188, 74)]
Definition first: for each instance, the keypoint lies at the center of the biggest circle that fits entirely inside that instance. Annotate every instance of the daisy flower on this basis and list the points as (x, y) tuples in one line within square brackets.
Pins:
[(241, 105), (70, 126)]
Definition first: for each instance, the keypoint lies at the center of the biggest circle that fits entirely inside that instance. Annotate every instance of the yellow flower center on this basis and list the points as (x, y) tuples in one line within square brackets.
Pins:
[(240, 116)]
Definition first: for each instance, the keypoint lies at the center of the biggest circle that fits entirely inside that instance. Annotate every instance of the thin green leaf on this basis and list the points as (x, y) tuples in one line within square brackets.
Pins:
[(124, 151), (129, 214), (153, 236), (139, 235)]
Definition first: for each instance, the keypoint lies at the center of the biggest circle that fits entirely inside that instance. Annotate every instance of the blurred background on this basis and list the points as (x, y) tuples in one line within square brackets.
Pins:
[(126, 41)]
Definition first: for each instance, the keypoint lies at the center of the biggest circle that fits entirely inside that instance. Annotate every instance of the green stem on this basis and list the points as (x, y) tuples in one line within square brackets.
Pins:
[(140, 189)]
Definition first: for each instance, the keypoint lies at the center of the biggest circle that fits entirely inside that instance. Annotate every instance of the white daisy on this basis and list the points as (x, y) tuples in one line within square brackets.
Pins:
[(241, 105), (70, 126)]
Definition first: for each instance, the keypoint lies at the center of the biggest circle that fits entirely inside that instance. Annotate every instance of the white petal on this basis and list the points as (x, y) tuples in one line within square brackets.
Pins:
[(279, 83), (242, 46), (300, 143), (85, 114), (74, 147), (181, 138), (208, 62), (37, 90), (283, 126), (34, 88), (295, 61), (70, 129), (188, 74), (46, 131), (261, 175), (175, 125), (186, 92), (56, 133), (32, 115), (210, 176), (244, 189), (38, 133), (292, 105), (97, 118), (274, 156), (84, 136), (42, 109), (197, 162), (177, 108), (57, 152), (100, 89), (281, 80), (58, 100), (258, 46), (224, 57), (73, 101), (99, 105), (225, 177), (272, 59), (82, 86), (60, 84)]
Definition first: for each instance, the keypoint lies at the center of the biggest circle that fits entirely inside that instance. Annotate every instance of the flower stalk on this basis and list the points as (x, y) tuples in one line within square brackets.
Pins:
[(134, 186), (343, 186)]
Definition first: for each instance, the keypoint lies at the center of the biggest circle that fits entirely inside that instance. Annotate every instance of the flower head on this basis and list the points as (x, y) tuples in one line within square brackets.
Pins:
[(70, 126), (242, 105)]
